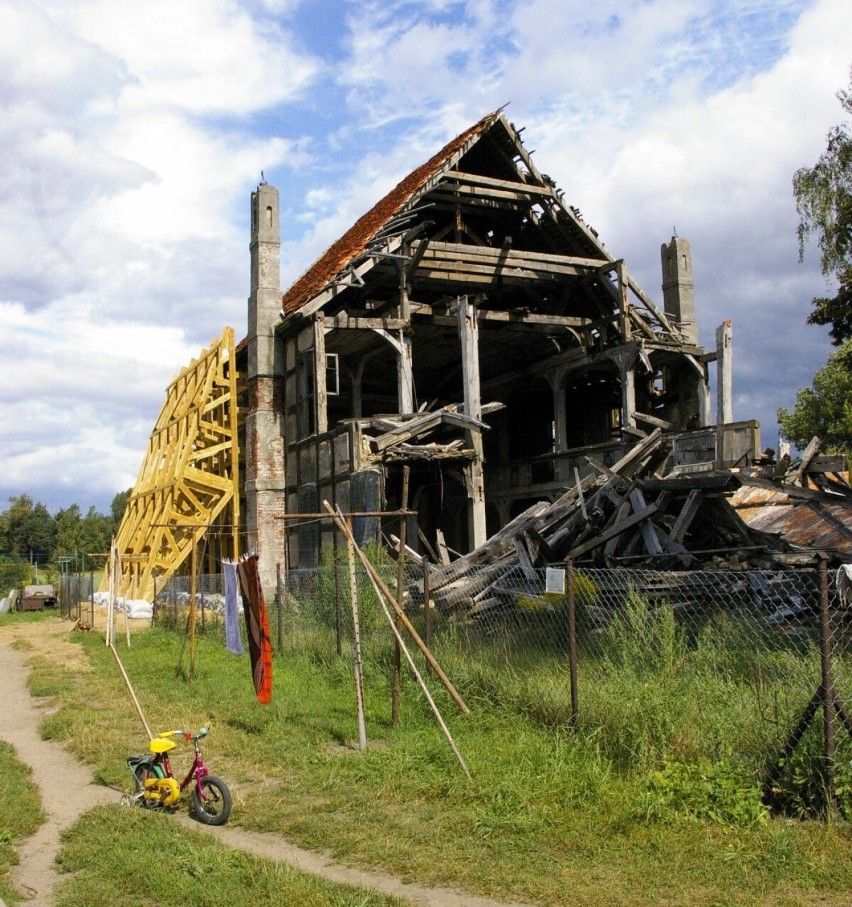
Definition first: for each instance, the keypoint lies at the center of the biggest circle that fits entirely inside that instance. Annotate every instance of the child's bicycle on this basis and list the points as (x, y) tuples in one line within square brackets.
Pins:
[(156, 787)]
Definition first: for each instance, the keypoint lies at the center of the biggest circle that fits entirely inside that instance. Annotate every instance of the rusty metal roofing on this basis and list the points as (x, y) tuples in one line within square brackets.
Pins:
[(812, 520), (357, 237)]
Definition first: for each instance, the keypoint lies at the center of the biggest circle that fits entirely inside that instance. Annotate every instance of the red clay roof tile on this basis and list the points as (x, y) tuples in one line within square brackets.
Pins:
[(357, 238)]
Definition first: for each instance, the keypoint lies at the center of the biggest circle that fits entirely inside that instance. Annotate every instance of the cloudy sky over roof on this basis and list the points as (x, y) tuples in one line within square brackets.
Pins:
[(133, 134)]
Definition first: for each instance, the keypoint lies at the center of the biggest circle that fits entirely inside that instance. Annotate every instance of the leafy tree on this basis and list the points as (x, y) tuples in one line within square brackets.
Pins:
[(825, 409), (14, 572), (97, 532), (824, 204), (29, 529), (118, 506), (69, 530)]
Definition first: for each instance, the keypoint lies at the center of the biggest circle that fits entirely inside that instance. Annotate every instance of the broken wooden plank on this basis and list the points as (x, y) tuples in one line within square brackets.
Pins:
[(652, 543), (653, 420), (687, 514), (810, 452), (633, 520)]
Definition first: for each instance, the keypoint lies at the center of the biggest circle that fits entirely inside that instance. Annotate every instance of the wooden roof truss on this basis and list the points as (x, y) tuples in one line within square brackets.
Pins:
[(190, 473)]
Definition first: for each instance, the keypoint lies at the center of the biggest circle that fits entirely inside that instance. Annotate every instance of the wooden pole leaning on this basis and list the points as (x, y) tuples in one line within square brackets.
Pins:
[(381, 595), (130, 690), (396, 681), (356, 645), (192, 591), (381, 588)]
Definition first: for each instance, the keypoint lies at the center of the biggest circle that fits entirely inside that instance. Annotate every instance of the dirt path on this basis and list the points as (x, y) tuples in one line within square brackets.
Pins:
[(66, 786), (57, 774)]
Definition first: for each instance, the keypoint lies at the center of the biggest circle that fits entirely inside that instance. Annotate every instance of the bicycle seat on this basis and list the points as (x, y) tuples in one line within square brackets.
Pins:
[(158, 745)]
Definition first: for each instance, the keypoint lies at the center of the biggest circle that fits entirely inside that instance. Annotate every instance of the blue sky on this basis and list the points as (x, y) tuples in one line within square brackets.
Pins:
[(132, 135)]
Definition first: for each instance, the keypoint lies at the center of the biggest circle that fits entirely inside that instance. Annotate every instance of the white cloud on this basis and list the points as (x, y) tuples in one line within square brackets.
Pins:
[(132, 133)]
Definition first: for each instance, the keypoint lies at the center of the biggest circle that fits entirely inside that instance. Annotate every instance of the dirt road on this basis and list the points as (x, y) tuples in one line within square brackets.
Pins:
[(56, 773)]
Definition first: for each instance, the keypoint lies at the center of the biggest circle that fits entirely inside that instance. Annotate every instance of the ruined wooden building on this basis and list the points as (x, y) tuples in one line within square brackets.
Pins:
[(473, 327)]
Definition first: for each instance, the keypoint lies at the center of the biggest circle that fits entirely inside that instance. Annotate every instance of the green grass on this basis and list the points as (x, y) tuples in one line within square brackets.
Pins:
[(548, 812), (136, 858), (20, 814)]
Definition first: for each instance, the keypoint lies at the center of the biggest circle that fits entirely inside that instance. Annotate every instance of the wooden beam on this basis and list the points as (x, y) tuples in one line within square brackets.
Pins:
[(494, 316), (687, 514), (477, 180), (633, 520), (344, 321)]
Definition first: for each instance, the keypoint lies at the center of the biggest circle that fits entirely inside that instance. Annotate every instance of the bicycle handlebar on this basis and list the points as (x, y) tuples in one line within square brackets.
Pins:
[(202, 733)]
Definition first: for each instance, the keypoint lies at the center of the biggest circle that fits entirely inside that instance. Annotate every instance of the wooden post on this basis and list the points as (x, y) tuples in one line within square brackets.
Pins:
[(396, 682), (724, 387), (427, 609), (572, 642), (356, 643), (279, 603), (623, 305), (132, 694), (405, 379), (828, 697), (469, 336), (192, 609), (338, 617), (380, 585)]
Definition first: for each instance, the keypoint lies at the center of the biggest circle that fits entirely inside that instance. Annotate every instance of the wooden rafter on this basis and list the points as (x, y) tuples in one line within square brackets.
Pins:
[(189, 479)]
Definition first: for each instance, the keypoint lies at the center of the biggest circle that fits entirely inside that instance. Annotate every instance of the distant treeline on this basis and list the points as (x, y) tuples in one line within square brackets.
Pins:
[(31, 539)]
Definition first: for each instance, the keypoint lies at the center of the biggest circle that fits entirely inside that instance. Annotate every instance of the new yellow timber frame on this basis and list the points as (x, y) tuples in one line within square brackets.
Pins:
[(188, 486)]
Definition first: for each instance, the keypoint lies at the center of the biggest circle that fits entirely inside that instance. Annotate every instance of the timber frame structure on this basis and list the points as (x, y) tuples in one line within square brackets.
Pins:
[(188, 485), (471, 326)]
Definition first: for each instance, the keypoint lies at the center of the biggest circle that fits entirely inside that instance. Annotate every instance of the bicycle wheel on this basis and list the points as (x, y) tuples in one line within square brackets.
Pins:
[(212, 803)]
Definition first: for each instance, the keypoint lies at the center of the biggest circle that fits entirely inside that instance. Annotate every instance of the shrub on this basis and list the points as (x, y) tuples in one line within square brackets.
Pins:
[(715, 791)]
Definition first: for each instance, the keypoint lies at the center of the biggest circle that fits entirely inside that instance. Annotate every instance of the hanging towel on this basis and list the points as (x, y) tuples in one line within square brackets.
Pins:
[(260, 647), (233, 640)]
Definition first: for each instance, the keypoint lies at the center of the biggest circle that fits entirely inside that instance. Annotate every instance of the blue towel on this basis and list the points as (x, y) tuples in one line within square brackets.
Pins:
[(233, 640)]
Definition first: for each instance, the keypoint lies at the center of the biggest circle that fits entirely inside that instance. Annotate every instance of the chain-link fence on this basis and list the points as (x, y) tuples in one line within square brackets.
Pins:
[(76, 597), (701, 666), (172, 600)]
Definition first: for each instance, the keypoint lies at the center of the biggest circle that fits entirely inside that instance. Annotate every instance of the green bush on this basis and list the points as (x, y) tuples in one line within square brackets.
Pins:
[(715, 791)]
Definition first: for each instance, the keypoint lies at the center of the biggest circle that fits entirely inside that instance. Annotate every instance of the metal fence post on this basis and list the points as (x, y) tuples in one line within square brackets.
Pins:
[(427, 610), (828, 697), (279, 603), (572, 641)]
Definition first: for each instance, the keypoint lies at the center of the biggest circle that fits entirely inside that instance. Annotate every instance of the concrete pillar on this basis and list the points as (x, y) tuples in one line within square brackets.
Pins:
[(264, 455), (678, 286)]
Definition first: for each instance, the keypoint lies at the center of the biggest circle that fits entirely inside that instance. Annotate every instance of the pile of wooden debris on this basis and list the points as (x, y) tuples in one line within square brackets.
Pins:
[(627, 515)]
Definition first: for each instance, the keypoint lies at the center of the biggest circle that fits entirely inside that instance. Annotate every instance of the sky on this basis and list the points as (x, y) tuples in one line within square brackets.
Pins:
[(132, 135)]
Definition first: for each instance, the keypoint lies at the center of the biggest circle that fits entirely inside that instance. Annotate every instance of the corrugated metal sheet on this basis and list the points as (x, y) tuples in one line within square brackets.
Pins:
[(817, 521)]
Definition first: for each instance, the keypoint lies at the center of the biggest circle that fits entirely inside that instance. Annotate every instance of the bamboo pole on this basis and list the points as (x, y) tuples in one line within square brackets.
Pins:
[(396, 682), (132, 694), (378, 583), (356, 645), (121, 589), (420, 680), (427, 608), (192, 590)]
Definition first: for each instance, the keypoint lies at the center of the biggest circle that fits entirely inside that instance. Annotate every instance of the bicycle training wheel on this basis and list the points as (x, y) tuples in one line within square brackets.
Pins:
[(142, 773), (212, 804)]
